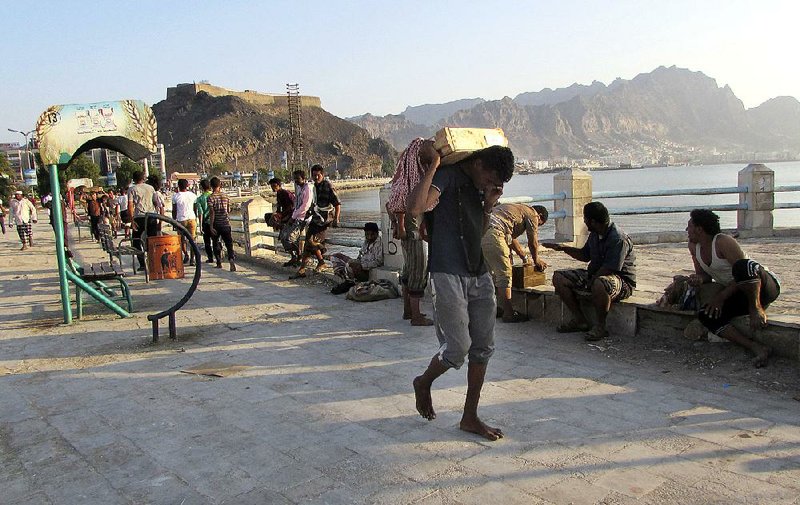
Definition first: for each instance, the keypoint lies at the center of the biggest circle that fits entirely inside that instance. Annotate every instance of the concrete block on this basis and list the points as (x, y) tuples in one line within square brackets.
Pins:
[(254, 225), (392, 249), (622, 319)]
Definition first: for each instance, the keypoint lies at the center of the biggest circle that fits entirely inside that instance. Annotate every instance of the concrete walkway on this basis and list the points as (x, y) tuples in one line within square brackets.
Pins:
[(317, 407)]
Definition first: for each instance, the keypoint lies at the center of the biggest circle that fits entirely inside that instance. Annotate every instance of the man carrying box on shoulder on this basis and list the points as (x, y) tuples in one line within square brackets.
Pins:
[(464, 304)]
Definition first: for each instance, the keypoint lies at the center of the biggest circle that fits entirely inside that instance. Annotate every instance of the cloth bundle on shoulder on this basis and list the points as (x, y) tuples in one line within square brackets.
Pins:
[(372, 291), (408, 172)]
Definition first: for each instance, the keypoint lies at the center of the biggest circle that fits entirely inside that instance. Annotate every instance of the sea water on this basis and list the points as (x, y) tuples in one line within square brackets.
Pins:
[(364, 204)]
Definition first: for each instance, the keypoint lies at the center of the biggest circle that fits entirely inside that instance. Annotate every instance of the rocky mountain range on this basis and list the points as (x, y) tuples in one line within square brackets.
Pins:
[(212, 133), (667, 113)]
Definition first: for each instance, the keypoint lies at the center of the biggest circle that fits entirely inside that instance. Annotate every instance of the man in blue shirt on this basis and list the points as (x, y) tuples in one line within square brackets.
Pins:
[(609, 277), (464, 303)]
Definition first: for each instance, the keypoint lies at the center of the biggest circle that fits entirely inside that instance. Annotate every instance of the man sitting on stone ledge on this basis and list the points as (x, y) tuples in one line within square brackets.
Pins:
[(369, 256), (609, 277), (745, 287)]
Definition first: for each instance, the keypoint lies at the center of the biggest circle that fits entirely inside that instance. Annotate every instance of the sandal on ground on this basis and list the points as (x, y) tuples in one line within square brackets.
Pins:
[(572, 327), (516, 317), (595, 334)]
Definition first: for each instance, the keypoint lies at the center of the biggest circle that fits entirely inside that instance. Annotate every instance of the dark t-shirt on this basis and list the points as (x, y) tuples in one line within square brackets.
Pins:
[(93, 208), (614, 250), (285, 202), (326, 195), (455, 225)]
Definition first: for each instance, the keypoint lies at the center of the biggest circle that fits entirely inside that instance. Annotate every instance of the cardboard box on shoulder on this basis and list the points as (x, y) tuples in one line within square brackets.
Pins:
[(526, 276), (455, 144)]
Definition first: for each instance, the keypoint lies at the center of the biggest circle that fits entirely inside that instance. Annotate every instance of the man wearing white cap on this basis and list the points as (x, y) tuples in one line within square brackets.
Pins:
[(23, 213)]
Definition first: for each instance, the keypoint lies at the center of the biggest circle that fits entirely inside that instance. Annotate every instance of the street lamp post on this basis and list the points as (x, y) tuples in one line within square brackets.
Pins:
[(27, 152)]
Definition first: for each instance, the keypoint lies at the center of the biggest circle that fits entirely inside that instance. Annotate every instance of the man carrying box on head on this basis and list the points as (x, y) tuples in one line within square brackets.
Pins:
[(507, 222), (464, 304), (609, 277)]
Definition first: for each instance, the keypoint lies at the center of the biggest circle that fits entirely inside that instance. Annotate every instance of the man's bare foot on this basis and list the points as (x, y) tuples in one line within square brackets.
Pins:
[(424, 401), (421, 321), (475, 425), (762, 357), (406, 315)]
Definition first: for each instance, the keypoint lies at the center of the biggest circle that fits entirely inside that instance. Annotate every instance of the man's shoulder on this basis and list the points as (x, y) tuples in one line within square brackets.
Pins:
[(616, 232), (447, 175)]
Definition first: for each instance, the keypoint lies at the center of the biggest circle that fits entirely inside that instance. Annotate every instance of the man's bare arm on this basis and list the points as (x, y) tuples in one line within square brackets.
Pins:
[(423, 196)]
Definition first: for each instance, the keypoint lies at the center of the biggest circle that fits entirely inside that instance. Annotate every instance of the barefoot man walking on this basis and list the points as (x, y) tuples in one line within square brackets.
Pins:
[(464, 304)]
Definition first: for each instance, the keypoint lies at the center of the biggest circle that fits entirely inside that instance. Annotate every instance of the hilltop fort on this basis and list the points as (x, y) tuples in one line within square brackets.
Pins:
[(188, 90)]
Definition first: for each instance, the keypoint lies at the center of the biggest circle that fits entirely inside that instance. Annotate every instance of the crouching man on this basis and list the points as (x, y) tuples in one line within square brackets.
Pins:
[(609, 277)]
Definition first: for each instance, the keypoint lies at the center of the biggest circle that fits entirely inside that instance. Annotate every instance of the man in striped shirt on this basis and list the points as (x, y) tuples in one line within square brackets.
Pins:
[(219, 208)]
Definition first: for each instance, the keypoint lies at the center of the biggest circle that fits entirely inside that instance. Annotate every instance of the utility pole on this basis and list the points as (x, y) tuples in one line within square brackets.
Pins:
[(27, 153), (295, 133)]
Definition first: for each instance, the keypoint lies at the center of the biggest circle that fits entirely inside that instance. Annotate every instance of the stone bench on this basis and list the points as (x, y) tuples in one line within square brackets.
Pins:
[(640, 316)]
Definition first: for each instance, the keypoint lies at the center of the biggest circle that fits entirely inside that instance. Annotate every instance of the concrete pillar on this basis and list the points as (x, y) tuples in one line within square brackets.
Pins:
[(255, 229), (392, 251), (760, 200), (577, 185)]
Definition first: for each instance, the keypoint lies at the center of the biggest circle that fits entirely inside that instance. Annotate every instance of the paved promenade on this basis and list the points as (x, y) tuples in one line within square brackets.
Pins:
[(316, 406)]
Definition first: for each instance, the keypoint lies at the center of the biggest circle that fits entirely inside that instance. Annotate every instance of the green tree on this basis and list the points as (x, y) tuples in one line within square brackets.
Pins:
[(43, 177), (5, 189), (218, 168), (5, 179), (125, 172), (82, 167), (5, 168)]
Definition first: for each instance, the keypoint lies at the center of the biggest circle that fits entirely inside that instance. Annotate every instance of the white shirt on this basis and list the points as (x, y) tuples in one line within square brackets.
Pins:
[(22, 211), (183, 201)]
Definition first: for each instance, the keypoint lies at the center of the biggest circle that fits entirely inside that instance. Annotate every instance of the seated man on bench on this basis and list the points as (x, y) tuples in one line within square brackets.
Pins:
[(609, 277)]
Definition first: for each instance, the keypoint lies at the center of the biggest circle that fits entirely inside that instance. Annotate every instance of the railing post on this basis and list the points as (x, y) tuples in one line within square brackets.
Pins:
[(254, 227), (757, 219), (577, 186), (392, 251)]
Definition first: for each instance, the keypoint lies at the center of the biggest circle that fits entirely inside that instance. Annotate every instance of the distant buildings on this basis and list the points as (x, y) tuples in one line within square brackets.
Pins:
[(107, 159)]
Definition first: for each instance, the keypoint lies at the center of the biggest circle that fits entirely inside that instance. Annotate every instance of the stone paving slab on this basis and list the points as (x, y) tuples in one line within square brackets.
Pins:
[(324, 413)]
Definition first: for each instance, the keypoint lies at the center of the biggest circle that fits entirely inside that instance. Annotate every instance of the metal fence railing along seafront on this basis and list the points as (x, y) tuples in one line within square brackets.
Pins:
[(572, 190)]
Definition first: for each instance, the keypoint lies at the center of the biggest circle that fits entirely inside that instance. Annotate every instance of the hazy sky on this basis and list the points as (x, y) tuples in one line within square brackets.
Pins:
[(379, 57)]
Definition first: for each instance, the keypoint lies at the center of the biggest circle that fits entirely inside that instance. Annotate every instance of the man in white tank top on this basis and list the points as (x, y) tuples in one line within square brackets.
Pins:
[(748, 287)]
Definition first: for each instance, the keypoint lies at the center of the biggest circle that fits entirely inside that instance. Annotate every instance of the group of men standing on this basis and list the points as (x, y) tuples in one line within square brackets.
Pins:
[(211, 208)]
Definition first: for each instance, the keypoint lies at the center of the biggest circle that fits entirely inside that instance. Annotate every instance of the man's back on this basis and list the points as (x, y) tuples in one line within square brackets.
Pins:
[(142, 196), (456, 224), (511, 217), (184, 205), (219, 202)]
